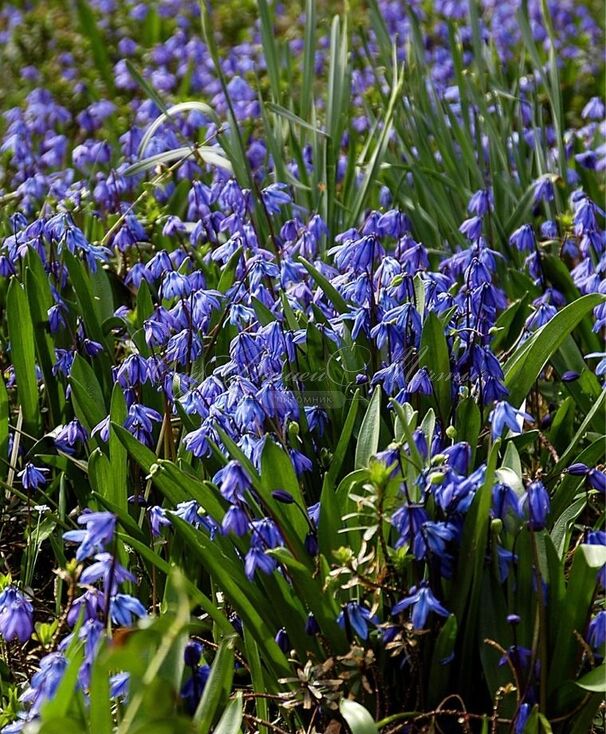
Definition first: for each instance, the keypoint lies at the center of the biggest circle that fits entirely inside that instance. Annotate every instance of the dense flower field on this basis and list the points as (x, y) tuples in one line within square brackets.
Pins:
[(302, 417)]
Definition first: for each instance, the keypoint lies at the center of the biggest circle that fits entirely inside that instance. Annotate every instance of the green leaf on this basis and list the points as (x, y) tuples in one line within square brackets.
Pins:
[(344, 440), (270, 49), (569, 485), (588, 560), (277, 473), (98, 45), (169, 115), (206, 153), (197, 596), (368, 437), (118, 493), (100, 702), (260, 681), (331, 293), (99, 472), (218, 686), (357, 717), (40, 300), (562, 525), (594, 681), (309, 591), (231, 720), (21, 335), (524, 366), (63, 697), (82, 286), (443, 650), (228, 272), (434, 357), (88, 398), (468, 580), (4, 432), (580, 434), (510, 324), (242, 594)]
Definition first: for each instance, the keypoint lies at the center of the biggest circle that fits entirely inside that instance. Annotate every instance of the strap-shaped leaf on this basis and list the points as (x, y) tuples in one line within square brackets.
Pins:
[(21, 335), (525, 365), (368, 438), (357, 717)]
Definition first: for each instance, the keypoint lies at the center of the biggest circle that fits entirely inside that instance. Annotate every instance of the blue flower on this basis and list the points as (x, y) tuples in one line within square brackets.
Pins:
[(420, 382), (357, 253), (70, 435), (235, 521), (597, 480), (118, 685), (535, 504), (357, 617), (394, 223), (472, 228), (45, 681), (257, 559), (408, 521), (192, 689), (521, 718), (282, 640), (16, 615), (504, 416), (100, 527), (125, 609), (480, 203), (596, 632), (504, 500), (311, 625), (91, 605), (233, 481), (504, 559), (31, 477), (275, 197), (107, 568), (593, 110), (423, 602), (523, 238), (192, 653)]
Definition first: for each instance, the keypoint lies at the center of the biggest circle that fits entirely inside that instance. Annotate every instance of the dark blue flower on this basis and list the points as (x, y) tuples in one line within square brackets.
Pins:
[(311, 625), (282, 640), (535, 505), (420, 382), (422, 601), (192, 689), (504, 416), (233, 481), (192, 653), (596, 631), (597, 480), (357, 617)]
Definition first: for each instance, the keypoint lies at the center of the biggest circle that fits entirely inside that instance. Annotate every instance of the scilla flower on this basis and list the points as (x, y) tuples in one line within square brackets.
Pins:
[(16, 615), (422, 601), (534, 504), (506, 416), (31, 477)]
